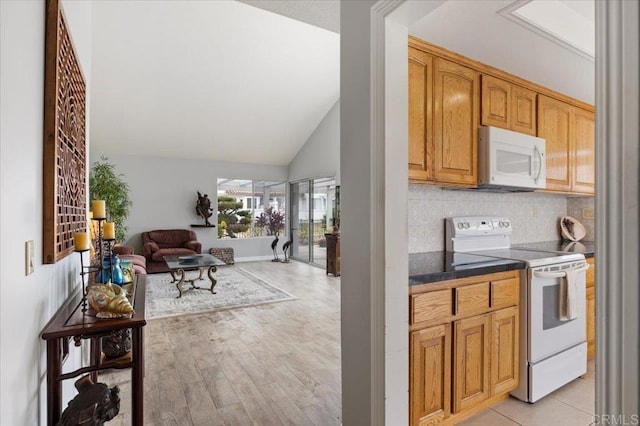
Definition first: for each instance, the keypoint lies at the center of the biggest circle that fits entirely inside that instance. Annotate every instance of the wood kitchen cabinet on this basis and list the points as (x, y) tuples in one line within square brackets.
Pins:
[(591, 309), (570, 134), (420, 115), (464, 340), (451, 95), (508, 106), (456, 109), (505, 350), (584, 148), (431, 382), (471, 367)]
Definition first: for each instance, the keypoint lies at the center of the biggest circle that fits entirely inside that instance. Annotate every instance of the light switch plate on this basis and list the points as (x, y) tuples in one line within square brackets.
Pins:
[(28, 258)]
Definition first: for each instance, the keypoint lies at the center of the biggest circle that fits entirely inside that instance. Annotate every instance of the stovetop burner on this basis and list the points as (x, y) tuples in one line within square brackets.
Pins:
[(533, 258)]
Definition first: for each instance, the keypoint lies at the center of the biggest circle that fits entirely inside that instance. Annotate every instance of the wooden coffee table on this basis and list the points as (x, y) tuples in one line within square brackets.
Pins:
[(179, 265)]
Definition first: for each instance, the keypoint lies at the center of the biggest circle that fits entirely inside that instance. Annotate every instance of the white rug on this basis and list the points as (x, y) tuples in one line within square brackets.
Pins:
[(236, 287)]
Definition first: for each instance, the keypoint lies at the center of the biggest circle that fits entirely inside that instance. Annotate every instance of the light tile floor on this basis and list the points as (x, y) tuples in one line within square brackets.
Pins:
[(571, 405)]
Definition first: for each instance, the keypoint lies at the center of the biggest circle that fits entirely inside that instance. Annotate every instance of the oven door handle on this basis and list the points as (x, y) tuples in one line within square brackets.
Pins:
[(561, 274)]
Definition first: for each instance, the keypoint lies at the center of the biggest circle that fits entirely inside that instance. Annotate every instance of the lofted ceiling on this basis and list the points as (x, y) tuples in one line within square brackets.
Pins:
[(217, 80), (250, 80), (478, 30)]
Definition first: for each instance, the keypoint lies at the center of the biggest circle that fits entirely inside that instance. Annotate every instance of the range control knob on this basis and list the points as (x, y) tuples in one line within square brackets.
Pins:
[(466, 225)]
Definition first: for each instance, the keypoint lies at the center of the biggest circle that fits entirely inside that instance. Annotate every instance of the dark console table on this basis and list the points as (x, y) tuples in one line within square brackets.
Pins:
[(333, 254), (70, 322)]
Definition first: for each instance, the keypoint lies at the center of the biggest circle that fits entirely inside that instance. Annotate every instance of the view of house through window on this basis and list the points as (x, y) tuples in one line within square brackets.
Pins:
[(250, 208)]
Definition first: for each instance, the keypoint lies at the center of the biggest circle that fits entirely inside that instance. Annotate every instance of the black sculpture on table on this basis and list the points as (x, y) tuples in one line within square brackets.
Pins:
[(203, 208), (94, 405), (285, 248), (274, 247)]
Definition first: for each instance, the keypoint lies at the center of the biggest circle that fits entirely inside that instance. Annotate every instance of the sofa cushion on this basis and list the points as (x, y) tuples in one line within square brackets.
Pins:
[(159, 255), (171, 238)]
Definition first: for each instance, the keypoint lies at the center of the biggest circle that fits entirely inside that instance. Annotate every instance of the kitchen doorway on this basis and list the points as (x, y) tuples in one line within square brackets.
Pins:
[(313, 209)]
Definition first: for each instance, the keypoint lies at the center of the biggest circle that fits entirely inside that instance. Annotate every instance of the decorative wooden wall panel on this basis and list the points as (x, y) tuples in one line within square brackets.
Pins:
[(64, 176)]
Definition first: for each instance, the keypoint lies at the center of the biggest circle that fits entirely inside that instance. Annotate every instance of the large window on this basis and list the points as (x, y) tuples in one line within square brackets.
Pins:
[(250, 208)]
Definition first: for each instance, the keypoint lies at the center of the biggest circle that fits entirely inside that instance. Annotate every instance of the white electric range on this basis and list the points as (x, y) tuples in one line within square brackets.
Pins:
[(553, 348)]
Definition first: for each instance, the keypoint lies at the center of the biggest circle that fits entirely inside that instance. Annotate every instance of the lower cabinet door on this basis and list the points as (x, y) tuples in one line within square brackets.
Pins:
[(430, 367), (505, 349), (471, 366), (591, 323)]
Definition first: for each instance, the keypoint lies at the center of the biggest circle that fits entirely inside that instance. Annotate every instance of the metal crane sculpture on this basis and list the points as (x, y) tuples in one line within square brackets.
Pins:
[(285, 248), (274, 246)]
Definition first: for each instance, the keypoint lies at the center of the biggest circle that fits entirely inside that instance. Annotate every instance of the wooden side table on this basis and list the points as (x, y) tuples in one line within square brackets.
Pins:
[(333, 254), (70, 322)]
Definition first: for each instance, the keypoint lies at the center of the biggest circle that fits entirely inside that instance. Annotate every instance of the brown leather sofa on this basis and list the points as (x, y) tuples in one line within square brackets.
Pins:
[(168, 242), (126, 253)]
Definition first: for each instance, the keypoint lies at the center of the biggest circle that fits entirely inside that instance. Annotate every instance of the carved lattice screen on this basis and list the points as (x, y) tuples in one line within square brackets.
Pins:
[(64, 194)]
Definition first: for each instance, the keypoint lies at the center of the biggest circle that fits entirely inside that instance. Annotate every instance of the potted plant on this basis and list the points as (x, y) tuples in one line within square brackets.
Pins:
[(105, 184)]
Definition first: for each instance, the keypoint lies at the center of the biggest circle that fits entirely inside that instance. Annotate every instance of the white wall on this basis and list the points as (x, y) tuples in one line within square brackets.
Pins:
[(27, 303), (320, 155), (534, 215), (357, 214), (164, 195)]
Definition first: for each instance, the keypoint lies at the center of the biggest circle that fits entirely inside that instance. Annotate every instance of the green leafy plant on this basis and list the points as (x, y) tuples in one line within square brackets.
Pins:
[(229, 211), (105, 184)]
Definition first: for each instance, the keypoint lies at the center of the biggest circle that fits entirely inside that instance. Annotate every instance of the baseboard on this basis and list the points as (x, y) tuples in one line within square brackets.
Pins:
[(252, 258)]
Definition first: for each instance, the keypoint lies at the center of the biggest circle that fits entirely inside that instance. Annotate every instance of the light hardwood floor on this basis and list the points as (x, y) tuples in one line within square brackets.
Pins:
[(270, 364)]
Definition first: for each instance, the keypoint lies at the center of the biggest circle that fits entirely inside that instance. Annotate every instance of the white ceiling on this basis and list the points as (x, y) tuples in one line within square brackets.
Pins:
[(228, 81), (216, 80), (475, 28)]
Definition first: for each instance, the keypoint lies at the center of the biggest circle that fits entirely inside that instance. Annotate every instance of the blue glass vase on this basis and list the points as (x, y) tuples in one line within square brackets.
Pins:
[(105, 276)]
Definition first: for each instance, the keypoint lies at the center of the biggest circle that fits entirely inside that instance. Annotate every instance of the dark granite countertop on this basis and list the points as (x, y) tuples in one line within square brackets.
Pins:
[(437, 266), (585, 247)]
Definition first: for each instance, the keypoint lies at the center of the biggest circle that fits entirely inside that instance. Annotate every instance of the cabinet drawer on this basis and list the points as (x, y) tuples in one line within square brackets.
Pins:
[(472, 299), (431, 306), (505, 293)]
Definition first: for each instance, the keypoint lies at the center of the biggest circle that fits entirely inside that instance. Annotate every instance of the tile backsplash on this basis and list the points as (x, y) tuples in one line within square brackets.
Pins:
[(535, 216), (582, 208)]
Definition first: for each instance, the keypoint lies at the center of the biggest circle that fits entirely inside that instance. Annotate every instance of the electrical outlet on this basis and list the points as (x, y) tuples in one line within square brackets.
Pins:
[(28, 258), (587, 212)]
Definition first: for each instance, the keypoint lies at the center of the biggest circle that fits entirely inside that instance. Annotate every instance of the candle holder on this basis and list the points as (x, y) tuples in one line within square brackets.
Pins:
[(100, 245), (82, 274), (110, 243)]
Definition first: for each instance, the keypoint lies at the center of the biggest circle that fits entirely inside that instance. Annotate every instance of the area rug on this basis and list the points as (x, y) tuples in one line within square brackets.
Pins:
[(236, 287)]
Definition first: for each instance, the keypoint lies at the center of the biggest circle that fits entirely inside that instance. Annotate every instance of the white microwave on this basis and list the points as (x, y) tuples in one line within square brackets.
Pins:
[(510, 161)]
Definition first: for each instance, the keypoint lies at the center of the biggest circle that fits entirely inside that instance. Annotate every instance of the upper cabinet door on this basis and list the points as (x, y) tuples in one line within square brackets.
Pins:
[(420, 115), (523, 110), (456, 111), (584, 147), (496, 102), (554, 125)]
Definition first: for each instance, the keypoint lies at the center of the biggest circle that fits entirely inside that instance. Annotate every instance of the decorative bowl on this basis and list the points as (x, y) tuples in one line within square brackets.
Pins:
[(572, 229)]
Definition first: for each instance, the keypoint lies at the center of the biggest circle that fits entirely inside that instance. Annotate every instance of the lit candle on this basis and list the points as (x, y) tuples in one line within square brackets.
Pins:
[(99, 209), (81, 241), (109, 231)]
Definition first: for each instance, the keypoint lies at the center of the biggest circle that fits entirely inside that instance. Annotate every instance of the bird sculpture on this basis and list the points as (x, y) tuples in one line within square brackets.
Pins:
[(285, 248), (274, 246)]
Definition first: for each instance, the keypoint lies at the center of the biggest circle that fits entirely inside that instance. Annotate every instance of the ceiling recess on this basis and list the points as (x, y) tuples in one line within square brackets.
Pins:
[(570, 24)]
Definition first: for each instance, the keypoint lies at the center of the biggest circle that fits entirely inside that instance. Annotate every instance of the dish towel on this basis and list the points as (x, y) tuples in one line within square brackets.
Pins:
[(569, 297)]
